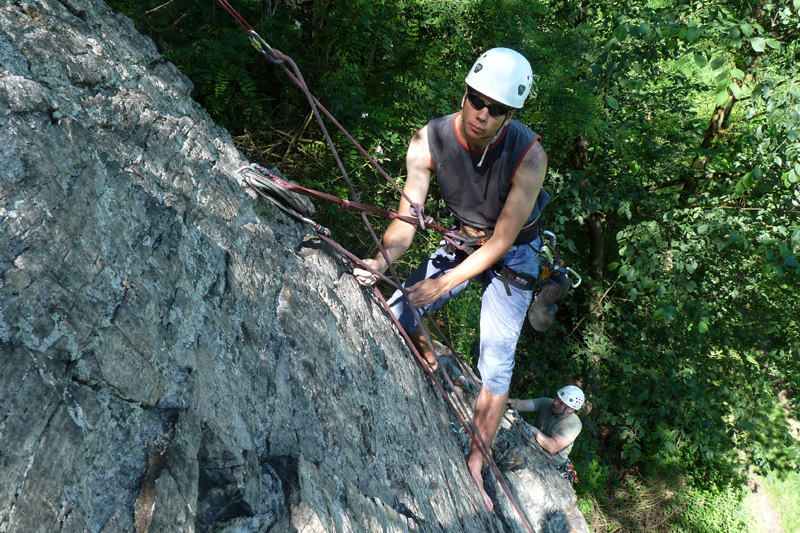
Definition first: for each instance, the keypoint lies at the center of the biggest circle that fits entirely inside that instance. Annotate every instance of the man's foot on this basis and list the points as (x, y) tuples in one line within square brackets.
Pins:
[(475, 469), (418, 339), (430, 359)]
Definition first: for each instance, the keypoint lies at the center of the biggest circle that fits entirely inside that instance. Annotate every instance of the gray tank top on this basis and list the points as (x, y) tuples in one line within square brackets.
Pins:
[(476, 195)]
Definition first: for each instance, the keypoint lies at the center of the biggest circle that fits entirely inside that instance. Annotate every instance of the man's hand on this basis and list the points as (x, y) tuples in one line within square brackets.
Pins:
[(365, 277), (426, 292)]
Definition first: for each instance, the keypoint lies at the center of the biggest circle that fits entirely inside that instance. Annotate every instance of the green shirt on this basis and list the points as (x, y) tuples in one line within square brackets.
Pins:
[(550, 424)]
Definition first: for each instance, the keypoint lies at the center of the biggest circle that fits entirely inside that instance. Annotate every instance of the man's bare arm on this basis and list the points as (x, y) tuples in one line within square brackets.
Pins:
[(399, 235), (553, 444), (519, 204), (523, 406)]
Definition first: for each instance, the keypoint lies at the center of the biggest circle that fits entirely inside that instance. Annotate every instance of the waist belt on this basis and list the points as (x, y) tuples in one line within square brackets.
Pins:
[(526, 235)]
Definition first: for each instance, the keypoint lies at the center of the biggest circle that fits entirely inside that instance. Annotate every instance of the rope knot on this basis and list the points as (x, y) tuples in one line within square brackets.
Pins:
[(418, 211)]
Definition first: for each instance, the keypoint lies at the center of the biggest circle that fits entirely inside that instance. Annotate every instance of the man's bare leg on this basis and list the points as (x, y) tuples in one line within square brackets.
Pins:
[(418, 338), (489, 411)]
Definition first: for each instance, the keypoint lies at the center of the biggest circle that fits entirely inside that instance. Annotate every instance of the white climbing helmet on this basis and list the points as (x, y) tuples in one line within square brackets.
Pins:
[(572, 396), (503, 75)]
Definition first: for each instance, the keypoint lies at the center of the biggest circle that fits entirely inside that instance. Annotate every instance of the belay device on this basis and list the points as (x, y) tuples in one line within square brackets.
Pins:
[(556, 282)]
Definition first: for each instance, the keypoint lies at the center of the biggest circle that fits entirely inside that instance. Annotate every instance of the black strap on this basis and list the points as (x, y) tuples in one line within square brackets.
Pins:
[(510, 278)]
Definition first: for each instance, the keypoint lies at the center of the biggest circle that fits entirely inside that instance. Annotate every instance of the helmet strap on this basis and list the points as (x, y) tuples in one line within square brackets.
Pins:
[(494, 138)]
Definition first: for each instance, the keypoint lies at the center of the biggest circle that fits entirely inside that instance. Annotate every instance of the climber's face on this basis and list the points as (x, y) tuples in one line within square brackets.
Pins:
[(478, 126), (560, 409)]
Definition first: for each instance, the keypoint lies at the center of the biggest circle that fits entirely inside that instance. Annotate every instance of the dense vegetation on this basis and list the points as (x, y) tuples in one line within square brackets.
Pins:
[(673, 135)]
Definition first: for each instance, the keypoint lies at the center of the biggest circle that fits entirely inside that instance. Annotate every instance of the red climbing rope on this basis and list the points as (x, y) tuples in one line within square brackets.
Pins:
[(276, 57)]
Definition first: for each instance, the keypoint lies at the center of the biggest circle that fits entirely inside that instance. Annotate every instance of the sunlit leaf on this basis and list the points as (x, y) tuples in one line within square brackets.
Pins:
[(758, 44), (612, 102)]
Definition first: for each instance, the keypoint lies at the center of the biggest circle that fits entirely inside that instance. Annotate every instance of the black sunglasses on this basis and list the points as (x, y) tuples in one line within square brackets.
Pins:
[(496, 110)]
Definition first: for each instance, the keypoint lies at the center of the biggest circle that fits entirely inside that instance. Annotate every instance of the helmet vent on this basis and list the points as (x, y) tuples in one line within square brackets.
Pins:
[(478, 68), (520, 90)]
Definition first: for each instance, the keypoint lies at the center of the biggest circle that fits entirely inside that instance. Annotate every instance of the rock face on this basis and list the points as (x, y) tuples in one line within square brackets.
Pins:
[(171, 361)]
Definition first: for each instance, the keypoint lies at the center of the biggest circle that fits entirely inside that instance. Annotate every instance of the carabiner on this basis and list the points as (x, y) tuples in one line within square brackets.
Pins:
[(573, 273)]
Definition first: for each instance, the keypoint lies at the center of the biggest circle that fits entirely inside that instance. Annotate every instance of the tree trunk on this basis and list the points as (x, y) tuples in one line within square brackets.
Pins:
[(596, 228), (718, 121), (580, 152)]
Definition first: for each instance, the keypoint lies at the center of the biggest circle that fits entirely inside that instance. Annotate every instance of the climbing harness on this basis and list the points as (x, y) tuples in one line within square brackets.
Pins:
[(267, 183)]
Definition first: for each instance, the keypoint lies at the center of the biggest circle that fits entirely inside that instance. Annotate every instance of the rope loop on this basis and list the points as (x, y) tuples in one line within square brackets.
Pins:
[(275, 60)]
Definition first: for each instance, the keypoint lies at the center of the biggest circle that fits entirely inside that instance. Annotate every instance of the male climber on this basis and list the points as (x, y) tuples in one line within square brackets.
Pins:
[(556, 426), (490, 170)]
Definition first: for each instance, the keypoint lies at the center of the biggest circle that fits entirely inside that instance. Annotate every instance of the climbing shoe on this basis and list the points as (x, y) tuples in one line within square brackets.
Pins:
[(542, 311)]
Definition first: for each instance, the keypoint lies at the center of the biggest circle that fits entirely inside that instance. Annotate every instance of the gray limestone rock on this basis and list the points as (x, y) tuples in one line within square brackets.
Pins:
[(171, 361)]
